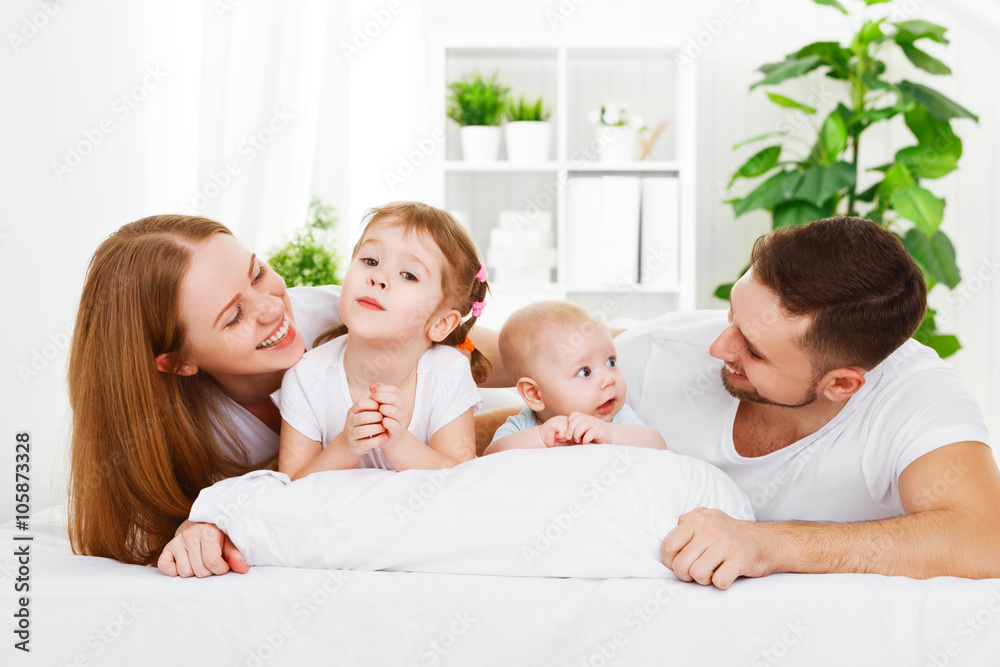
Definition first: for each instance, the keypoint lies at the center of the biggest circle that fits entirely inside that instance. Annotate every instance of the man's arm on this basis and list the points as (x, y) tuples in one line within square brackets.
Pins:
[(952, 527)]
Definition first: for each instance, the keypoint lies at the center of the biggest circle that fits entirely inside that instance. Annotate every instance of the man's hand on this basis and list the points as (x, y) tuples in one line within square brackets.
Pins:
[(710, 547), (585, 429), (200, 550)]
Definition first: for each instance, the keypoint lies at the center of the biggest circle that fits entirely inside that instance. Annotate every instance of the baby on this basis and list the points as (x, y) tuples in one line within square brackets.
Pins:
[(568, 376)]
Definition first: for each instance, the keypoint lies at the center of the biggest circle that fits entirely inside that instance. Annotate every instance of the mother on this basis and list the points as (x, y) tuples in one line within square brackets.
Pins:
[(181, 336)]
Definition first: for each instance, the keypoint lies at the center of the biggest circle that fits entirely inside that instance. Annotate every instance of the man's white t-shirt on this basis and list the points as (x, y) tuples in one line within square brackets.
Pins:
[(315, 397), (316, 311), (911, 404)]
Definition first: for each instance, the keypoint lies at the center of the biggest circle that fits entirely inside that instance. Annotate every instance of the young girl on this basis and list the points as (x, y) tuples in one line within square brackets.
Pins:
[(394, 393)]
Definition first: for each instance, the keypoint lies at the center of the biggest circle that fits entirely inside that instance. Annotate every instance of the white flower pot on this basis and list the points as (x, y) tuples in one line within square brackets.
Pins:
[(528, 140), (480, 143), (615, 144)]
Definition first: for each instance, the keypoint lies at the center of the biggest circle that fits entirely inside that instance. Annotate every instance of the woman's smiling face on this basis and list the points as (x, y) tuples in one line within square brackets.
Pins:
[(235, 310)]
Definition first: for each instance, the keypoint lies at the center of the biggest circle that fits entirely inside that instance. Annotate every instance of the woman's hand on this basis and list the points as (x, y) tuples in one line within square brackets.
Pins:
[(200, 550)]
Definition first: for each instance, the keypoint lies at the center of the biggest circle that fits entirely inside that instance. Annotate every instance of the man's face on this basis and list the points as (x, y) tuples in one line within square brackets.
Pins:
[(764, 363)]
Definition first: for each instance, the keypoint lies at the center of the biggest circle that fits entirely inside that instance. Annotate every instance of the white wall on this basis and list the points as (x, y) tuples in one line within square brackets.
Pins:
[(373, 107)]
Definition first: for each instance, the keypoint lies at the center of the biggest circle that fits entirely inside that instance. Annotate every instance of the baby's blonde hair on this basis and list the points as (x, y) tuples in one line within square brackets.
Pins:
[(533, 330)]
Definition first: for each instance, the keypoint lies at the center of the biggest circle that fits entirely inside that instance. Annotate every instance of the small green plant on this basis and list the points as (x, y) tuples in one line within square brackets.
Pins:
[(522, 110), (477, 101), (306, 259), (826, 179)]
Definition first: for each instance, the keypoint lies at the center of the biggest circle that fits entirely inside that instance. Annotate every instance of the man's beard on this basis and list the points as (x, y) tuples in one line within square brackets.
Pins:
[(751, 395)]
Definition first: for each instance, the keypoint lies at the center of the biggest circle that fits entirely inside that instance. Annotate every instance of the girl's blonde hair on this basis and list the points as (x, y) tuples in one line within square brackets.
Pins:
[(461, 264), (144, 442)]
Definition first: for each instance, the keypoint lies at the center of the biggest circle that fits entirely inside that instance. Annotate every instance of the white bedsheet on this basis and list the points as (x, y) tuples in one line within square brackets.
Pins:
[(92, 611), (585, 511)]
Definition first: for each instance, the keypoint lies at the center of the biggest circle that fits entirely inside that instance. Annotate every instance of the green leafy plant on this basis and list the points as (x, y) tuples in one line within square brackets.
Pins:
[(824, 180), (477, 101), (525, 110), (306, 259)]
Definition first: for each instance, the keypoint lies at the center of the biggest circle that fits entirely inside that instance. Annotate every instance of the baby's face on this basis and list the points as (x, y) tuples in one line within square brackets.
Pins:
[(580, 373)]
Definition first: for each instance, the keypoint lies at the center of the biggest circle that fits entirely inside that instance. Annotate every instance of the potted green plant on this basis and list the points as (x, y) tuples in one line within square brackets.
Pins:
[(477, 105), (826, 179), (527, 133), (615, 132), (308, 259)]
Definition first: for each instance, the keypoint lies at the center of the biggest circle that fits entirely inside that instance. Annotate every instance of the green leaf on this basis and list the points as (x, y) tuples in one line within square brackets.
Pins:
[(788, 69), (870, 116), (869, 194), (938, 105), (771, 192), (870, 32), (759, 137), (918, 29), (896, 178), (723, 291), (832, 138), (875, 2), (789, 103), (795, 212), (935, 255), (925, 162), (924, 60), (932, 132), (919, 205), (820, 183), (831, 3), (762, 162), (829, 53)]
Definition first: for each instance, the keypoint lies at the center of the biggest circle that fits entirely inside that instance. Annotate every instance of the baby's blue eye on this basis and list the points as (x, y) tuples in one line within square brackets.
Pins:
[(611, 362), (583, 372)]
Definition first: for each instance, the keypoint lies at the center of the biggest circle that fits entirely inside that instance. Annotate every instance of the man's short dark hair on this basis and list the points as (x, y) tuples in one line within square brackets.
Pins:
[(865, 294)]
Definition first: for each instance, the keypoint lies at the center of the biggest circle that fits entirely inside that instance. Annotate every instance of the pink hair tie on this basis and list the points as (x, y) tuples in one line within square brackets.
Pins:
[(477, 308), (481, 275)]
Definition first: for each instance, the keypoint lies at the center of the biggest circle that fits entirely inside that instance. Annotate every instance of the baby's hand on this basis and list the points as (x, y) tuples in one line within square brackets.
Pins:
[(394, 420), (584, 429), (363, 427), (553, 432)]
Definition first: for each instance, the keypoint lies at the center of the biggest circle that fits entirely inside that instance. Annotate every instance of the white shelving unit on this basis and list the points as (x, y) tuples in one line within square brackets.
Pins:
[(575, 76)]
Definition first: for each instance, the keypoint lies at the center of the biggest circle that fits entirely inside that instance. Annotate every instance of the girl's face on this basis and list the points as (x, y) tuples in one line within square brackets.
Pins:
[(236, 313), (392, 290)]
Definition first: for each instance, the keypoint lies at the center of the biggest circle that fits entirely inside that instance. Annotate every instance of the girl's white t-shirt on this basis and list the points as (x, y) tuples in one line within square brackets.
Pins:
[(911, 404), (315, 397), (315, 310)]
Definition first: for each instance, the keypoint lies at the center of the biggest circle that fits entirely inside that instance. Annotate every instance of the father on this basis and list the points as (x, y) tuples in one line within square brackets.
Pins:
[(826, 413)]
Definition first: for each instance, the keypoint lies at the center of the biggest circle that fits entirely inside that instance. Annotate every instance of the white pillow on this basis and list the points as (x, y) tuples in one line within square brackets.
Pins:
[(582, 511)]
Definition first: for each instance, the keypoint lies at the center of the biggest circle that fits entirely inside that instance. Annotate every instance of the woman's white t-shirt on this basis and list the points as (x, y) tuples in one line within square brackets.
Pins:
[(315, 310), (315, 397)]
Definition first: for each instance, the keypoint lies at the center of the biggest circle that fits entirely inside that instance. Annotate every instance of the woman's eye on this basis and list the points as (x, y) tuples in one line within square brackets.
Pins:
[(583, 372), (408, 276), (368, 261), (260, 274), (236, 320), (611, 362)]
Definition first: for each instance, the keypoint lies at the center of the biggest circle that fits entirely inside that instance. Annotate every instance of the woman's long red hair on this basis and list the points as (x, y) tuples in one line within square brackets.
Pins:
[(144, 442)]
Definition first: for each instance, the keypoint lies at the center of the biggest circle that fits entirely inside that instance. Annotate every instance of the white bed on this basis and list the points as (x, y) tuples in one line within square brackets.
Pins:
[(90, 611)]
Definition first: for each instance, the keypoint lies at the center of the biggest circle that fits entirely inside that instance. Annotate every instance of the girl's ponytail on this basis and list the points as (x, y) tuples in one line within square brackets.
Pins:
[(481, 366)]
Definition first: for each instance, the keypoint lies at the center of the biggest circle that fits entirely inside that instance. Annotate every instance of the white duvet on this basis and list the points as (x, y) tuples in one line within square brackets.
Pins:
[(595, 511)]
